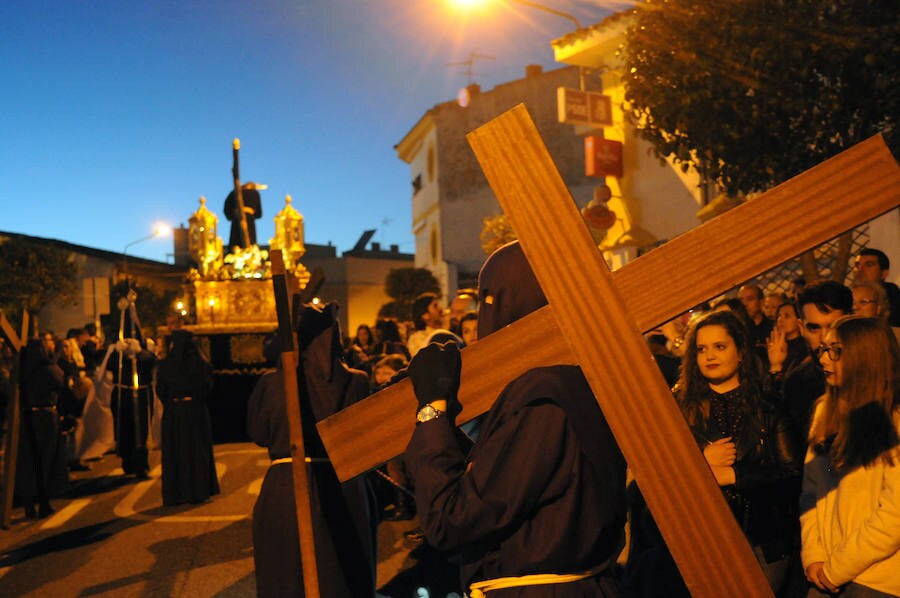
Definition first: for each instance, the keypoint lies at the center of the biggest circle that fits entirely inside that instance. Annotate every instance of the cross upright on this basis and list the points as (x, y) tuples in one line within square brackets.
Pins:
[(595, 319), (13, 416)]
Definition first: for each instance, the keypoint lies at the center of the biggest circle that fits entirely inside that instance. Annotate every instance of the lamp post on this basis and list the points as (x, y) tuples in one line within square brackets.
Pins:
[(160, 230), (558, 13)]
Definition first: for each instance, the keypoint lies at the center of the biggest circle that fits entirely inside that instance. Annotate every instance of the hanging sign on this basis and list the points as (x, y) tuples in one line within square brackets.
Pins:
[(576, 107), (602, 157)]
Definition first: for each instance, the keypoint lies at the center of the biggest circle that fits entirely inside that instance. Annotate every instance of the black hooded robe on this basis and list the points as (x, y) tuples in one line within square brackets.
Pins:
[(42, 466), (543, 488), (131, 408), (183, 382), (343, 523), (542, 491)]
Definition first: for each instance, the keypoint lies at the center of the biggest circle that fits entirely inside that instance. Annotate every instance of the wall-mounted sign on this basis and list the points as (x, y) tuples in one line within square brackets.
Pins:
[(602, 157), (576, 107)]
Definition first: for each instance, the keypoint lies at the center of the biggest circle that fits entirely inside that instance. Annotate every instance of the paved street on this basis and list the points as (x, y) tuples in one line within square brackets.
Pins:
[(111, 536)]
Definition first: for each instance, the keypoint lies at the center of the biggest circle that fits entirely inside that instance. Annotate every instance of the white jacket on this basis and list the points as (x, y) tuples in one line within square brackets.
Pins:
[(852, 523)]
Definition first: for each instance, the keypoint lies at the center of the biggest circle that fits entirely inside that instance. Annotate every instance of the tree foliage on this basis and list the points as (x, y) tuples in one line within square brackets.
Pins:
[(34, 274), (753, 92), (403, 285), (496, 231)]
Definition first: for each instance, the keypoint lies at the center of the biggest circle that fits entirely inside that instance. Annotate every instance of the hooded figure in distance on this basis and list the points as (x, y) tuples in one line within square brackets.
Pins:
[(343, 522), (183, 383)]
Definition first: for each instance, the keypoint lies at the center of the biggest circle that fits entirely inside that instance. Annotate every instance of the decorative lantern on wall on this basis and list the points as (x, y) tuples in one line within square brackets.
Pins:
[(204, 246)]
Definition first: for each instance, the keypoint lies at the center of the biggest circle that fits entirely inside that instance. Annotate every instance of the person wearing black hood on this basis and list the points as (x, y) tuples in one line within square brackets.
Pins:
[(539, 503), (183, 383), (342, 515), (41, 469)]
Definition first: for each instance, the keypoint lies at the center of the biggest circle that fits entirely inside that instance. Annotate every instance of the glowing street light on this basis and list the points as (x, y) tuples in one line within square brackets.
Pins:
[(160, 229), (468, 4)]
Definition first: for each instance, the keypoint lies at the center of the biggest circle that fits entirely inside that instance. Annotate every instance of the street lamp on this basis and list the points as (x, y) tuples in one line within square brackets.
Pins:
[(559, 13), (465, 4), (159, 230)]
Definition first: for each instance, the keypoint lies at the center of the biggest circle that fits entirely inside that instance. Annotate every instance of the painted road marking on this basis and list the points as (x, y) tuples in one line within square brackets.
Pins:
[(66, 513), (126, 507)]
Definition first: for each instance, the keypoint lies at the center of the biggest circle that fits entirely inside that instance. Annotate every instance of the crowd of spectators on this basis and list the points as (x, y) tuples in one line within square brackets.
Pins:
[(793, 399)]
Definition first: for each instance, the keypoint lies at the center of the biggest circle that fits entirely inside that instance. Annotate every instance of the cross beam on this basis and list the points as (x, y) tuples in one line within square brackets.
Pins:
[(835, 196)]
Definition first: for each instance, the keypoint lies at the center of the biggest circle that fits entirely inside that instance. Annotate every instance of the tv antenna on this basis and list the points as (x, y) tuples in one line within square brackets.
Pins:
[(469, 65)]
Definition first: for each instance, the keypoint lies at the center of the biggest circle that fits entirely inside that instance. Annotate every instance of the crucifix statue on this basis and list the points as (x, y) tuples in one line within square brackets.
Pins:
[(243, 206), (705, 541)]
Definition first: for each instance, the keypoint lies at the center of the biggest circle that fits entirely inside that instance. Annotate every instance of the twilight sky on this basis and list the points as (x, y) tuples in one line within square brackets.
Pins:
[(117, 114)]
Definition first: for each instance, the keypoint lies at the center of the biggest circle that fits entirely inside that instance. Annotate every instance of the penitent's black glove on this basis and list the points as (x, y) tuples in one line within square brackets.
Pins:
[(434, 372)]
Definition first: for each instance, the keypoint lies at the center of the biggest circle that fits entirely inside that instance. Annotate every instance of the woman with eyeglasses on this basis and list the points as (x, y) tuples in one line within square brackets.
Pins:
[(850, 504), (745, 438)]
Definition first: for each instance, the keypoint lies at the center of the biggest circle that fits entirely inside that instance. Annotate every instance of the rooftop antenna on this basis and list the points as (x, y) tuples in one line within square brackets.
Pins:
[(469, 65)]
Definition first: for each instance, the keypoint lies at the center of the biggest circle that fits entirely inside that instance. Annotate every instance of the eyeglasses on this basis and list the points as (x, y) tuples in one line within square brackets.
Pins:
[(834, 352), (863, 302)]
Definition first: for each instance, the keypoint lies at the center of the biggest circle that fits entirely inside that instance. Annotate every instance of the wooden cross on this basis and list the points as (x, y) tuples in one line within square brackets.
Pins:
[(13, 416), (595, 319), (284, 287)]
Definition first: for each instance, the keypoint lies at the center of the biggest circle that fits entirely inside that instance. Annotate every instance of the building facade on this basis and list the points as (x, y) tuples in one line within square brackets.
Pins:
[(450, 194), (654, 199), (356, 279)]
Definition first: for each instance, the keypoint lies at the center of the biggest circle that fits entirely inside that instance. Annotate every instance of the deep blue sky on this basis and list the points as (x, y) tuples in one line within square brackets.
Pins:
[(116, 114)]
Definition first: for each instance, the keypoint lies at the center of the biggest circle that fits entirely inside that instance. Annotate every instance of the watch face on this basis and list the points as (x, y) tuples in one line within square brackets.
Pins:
[(427, 413)]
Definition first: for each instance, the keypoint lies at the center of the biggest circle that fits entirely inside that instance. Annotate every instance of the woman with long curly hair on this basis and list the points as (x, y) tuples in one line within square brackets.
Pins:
[(850, 505), (745, 438)]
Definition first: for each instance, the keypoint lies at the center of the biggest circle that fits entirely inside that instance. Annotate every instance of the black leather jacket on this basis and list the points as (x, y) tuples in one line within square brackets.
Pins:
[(767, 475)]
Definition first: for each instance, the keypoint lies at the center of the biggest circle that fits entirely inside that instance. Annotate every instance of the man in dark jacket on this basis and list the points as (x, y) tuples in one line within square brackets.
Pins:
[(540, 498)]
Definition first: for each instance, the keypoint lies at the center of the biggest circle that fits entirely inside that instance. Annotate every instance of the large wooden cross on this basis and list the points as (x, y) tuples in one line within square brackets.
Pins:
[(13, 417), (595, 319)]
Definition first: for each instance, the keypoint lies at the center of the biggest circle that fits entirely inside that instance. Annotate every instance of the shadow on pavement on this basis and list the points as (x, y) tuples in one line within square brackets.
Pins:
[(432, 571), (175, 555), (29, 573)]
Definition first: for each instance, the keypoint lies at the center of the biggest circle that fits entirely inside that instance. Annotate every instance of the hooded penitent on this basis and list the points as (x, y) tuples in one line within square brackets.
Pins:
[(345, 552), (507, 289), (542, 489)]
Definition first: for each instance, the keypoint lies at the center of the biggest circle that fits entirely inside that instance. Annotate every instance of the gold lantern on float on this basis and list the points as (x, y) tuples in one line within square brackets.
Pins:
[(289, 239), (204, 245), (289, 231)]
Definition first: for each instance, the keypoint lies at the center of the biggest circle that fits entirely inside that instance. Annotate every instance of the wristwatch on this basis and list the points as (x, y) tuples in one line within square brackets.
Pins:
[(428, 413)]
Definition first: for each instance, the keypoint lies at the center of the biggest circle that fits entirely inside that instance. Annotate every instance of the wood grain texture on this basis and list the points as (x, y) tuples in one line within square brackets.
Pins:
[(10, 333), (851, 188), (378, 428), (299, 467), (700, 530), (13, 418)]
